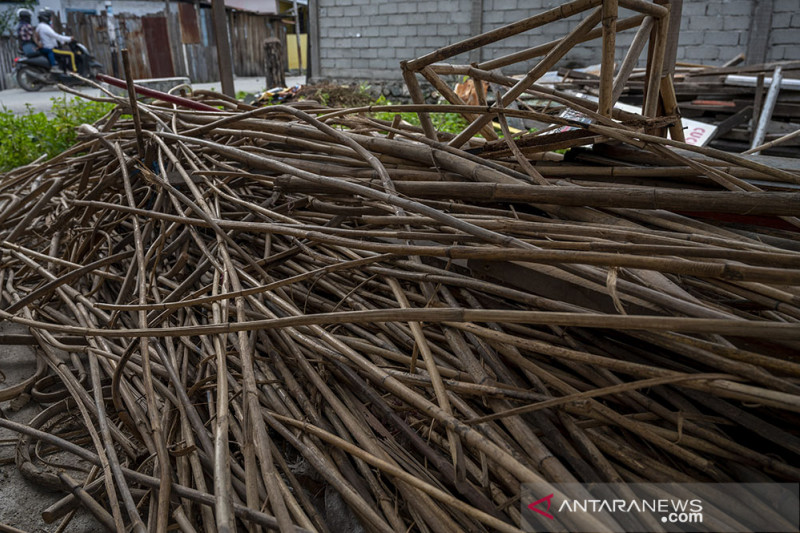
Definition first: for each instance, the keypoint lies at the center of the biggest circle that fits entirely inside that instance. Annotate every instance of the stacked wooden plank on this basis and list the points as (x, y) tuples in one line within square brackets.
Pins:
[(732, 98)]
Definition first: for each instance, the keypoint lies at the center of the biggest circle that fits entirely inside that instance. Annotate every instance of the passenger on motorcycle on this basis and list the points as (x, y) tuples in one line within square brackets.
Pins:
[(25, 33), (49, 39)]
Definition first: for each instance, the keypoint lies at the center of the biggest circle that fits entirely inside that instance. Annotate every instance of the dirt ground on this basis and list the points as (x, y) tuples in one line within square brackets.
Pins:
[(22, 502)]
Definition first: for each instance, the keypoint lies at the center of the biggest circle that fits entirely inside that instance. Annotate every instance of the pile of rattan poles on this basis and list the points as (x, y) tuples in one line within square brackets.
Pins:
[(312, 320)]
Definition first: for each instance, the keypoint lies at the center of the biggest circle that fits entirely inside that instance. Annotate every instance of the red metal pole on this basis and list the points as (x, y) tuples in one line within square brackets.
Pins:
[(144, 91)]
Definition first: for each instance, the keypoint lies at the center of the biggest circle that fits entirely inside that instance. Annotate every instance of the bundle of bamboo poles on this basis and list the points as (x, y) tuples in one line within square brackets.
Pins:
[(312, 320)]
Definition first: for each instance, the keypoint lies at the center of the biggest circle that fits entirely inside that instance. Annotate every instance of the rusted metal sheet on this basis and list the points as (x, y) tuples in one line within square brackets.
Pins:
[(206, 27), (175, 45), (157, 52), (158, 49), (248, 33), (8, 51), (93, 32), (203, 63), (136, 41), (190, 29)]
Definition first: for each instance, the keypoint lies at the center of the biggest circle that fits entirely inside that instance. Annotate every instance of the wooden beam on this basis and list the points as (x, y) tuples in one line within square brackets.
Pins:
[(743, 115), (607, 69), (476, 28), (736, 202), (669, 103), (224, 57), (760, 26), (541, 49), (673, 35), (632, 57), (297, 39), (546, 17), (655, 64), (313, 68)]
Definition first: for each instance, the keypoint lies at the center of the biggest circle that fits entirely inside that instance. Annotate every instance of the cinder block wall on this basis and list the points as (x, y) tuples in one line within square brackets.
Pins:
[(367, 39), (784, 39), (717, 30)]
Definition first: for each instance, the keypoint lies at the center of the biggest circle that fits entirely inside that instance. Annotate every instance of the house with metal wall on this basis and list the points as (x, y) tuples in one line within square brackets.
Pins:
[(169, 38)]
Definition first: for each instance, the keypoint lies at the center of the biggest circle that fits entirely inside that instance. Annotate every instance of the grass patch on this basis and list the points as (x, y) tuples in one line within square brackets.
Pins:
[(446, 122), (27, 136)]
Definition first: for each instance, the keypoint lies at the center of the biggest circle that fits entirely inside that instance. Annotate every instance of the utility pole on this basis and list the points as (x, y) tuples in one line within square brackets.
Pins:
[(297, 38), (111, 24), (224, 57)]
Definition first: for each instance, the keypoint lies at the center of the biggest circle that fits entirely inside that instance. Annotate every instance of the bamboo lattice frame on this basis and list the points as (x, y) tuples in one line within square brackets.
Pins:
[(654, 29)]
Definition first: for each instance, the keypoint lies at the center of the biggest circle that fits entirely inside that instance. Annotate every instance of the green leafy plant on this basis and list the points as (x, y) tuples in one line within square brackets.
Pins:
[(364, 87), (446, 122), (323, 97), (27, 136), (411, 118), (449, 122)]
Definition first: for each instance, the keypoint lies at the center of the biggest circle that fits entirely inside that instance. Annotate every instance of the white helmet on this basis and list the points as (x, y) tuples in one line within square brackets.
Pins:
[(24, 13)]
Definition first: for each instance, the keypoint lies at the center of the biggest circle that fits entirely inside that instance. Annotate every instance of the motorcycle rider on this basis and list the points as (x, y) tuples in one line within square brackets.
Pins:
[(49, 39), (25, 33)]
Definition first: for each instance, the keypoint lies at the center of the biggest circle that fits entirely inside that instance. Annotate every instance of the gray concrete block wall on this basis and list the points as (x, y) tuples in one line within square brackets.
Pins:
[(581, 55), (714, 31), (369, 38), (784, 40)]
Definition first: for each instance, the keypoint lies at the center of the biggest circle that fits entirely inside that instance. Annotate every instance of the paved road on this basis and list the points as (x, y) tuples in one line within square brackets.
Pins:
[(17, 100)]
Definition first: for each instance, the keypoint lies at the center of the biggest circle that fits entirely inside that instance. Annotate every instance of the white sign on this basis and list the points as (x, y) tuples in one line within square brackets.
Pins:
[(696, 132)]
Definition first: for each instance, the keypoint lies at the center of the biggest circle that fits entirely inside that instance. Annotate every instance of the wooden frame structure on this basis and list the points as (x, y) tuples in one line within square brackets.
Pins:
[(655, 28)]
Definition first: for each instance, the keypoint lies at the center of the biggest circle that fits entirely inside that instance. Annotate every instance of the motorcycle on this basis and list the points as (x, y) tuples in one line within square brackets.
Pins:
[(34, 72)]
